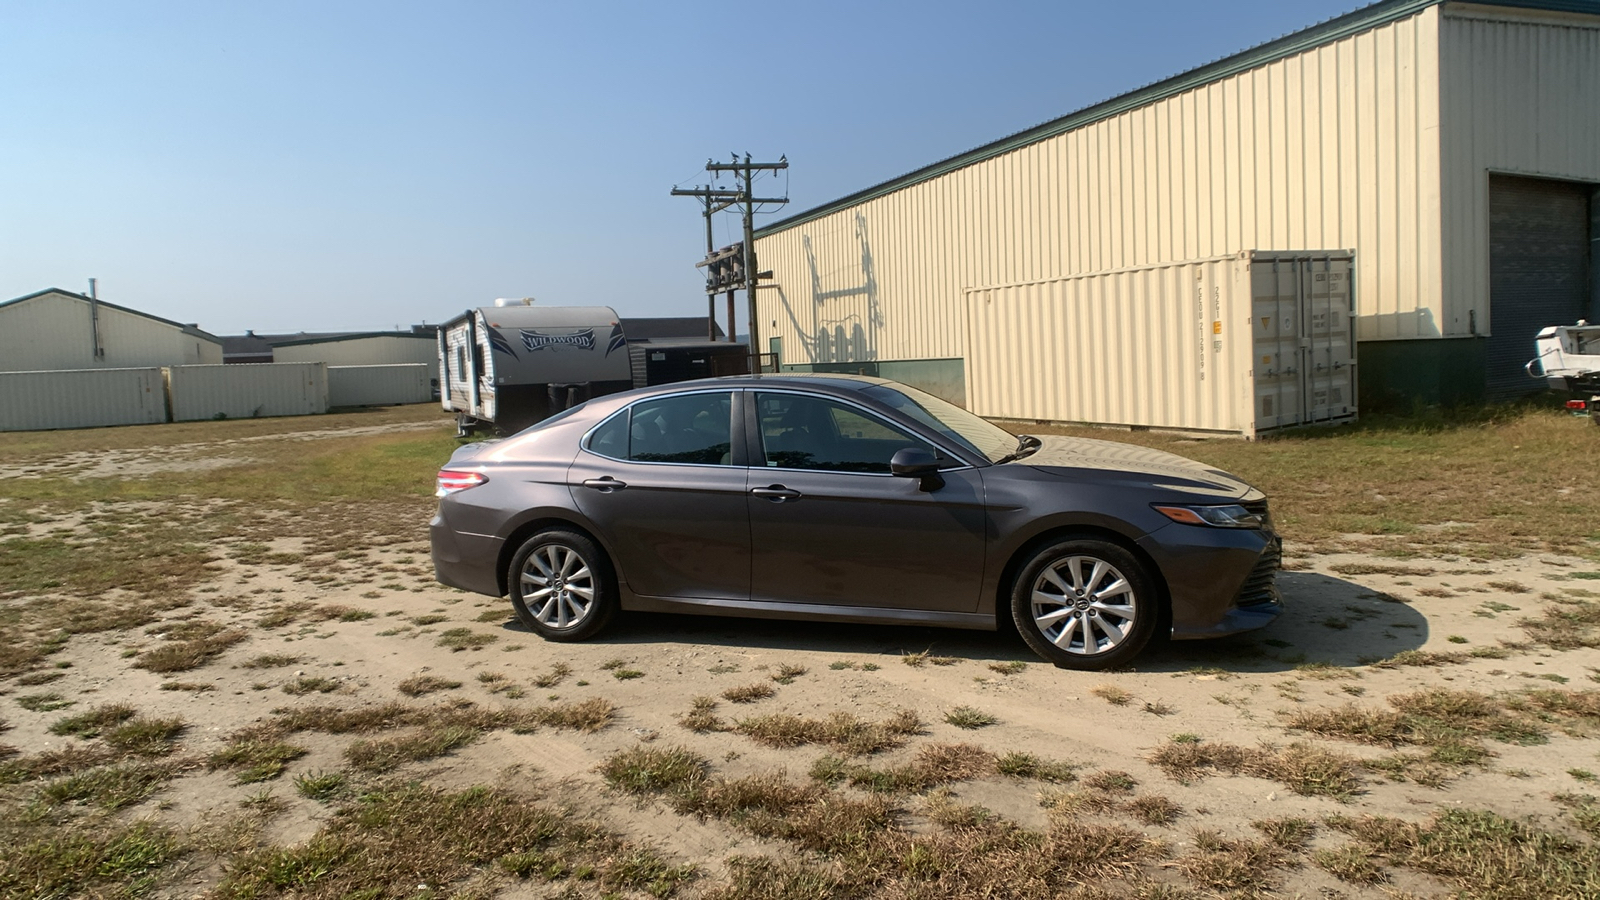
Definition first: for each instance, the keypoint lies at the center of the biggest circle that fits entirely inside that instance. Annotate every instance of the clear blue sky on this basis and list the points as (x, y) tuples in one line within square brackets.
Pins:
[(326, 166)]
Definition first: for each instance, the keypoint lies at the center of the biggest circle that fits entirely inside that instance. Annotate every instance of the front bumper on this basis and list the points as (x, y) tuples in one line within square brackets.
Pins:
[(466, 561), (1221, 581)]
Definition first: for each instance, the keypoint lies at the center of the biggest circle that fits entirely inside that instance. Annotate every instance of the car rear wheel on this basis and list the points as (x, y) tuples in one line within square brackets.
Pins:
[(562, 586), (1084, 603)]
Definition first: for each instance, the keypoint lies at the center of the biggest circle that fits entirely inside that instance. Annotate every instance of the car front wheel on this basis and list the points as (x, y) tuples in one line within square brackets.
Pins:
[(1084, 603), (562, 586)]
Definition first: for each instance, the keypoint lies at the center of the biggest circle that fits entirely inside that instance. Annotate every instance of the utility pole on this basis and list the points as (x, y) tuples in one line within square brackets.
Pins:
[(723, 271), (745, 171), (711, 299)]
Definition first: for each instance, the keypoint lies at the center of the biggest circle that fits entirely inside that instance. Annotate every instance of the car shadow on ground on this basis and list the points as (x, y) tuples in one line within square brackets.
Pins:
[(1326, 621)]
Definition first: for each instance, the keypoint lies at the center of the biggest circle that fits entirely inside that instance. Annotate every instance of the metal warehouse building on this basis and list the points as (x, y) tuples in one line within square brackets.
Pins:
[(55, 329), (1453, 147), (363, 349)]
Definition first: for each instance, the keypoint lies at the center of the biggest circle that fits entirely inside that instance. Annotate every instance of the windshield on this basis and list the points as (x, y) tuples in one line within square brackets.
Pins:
[(976, 434)]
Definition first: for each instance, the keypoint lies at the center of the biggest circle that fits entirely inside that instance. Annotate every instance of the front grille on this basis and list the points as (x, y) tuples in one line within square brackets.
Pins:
[(1259, 508), (1261, 586)]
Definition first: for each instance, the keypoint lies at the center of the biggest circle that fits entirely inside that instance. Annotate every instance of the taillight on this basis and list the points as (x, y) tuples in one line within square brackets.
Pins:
[(1577, 404), (451, 481)]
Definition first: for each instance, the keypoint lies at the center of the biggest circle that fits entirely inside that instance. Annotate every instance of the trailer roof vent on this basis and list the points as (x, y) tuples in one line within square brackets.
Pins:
[(513, 301)]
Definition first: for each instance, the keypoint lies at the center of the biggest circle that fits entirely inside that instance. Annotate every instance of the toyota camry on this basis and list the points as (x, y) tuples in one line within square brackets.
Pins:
[(850, 499)]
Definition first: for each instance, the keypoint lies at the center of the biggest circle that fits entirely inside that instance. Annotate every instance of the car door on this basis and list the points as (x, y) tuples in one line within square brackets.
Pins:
[(830, 525), (664, 481)]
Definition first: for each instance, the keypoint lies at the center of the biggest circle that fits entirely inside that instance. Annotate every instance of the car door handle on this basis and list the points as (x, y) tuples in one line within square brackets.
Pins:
[(604, 485), (777, 493)]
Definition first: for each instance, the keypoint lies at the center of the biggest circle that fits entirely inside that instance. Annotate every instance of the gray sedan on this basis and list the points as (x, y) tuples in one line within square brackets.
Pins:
[(846, 499)]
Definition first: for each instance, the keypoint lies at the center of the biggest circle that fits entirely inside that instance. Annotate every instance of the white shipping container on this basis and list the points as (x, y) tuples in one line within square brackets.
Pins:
[(1241, 344), (379, 385), (81, 398), (247, 391)]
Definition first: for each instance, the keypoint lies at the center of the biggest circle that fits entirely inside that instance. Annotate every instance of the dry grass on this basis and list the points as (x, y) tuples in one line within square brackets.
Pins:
[(458, 639), (416, 835), (421, 685), (1452, 724), (310, 685), (1584, 810), (787, 673), (557, 674), (586, 715), (650, 770), (188, 645), (1026, 765), (932, 766), (382, 755), (255, 757), (110, 788), (1352, 863), (140, 736), (1290, 834), (969, 718), (973, 854), (270, 661), (1568, 623), (90, 724), (1303, 768), (83, 861), (748, 693), (1223, 864), (1484, 855), (1111, 694), (841, 731), (701, 717), (1153, 809)]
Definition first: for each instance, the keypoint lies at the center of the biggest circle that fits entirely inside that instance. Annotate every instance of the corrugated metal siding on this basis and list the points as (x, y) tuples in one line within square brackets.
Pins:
[(1520, 95), (1332, 147), (248, 391), (54, 332), (386, 350), (83, 398), (379, 385)]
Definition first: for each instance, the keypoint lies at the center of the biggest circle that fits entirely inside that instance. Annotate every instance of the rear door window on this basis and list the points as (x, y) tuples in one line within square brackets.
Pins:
[(693, 429)]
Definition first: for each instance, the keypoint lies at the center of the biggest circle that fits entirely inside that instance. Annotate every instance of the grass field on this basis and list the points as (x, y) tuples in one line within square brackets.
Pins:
[(225, 671)]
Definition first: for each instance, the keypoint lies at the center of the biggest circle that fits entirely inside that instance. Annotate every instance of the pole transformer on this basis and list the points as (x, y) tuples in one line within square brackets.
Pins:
[(734, 266)]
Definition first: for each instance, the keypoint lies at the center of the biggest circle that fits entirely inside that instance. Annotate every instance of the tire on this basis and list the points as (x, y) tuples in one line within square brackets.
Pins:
[(1055, 612), (560, 611)]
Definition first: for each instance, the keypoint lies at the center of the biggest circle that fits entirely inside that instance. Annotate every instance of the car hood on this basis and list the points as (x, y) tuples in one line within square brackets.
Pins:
[(1085, 457)]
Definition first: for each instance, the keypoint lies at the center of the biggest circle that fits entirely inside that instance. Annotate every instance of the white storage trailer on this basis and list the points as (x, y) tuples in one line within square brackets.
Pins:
[(379, 385), (81, 398), (250, 391), (511, 366), (1243, 344)]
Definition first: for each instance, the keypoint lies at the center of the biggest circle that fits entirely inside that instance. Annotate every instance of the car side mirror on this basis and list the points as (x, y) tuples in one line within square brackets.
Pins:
[(917, 462)]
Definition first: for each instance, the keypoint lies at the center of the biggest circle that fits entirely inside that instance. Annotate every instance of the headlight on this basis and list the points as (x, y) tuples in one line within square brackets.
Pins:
[(1230, 516)]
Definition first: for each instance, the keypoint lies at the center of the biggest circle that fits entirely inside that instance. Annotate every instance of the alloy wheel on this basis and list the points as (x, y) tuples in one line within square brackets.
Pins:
[(558, 586), (1083, 605)]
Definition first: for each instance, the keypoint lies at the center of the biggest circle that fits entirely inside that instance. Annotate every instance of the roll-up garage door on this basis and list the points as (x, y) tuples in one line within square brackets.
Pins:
[(1538, 271)]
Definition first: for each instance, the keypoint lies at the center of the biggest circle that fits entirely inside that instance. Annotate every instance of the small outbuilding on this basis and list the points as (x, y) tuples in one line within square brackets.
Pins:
[(55, 329)]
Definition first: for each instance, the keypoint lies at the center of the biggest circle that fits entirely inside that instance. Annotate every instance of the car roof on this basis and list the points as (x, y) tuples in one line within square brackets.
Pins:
[(825, 380)]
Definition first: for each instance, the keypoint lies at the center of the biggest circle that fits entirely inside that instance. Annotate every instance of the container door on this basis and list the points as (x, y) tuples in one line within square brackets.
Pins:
[(1276, 319), (1327, 339)]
